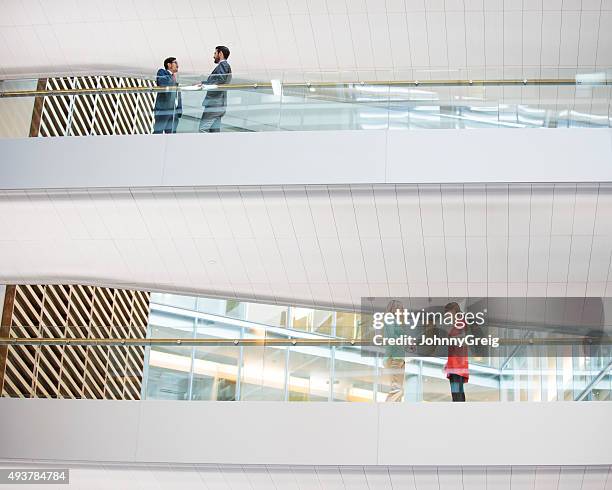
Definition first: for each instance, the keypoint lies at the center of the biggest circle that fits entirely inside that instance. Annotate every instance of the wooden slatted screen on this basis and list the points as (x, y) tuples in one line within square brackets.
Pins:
[(58, 311), (89, 114)]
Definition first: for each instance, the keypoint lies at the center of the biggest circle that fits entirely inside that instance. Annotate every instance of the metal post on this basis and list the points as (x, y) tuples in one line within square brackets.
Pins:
[(239, 369), (145, 369), (376, 375), (193, 335), (332, 361), (420, 384), (287, 353)]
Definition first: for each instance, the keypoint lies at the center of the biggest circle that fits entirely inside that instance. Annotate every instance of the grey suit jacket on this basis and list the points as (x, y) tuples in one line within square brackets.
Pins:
[(216, 100)]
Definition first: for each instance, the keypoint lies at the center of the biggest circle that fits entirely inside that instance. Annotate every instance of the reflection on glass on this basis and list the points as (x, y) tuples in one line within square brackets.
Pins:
[(263, 373), (169, 367), (533, 373), (215, 369), (308, 374), (354, 376), (320, 101)]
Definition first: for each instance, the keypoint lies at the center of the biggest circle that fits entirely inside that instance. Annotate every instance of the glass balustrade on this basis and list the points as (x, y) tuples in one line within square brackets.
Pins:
[(526, 372), (229, 350), (126, 104)]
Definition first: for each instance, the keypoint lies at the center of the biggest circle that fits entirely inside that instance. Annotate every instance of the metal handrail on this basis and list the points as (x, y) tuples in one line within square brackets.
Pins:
[(268, 85), (267, 342)]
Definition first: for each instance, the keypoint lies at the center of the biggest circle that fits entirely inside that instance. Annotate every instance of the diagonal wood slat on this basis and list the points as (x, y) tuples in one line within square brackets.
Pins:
[(73, 311)]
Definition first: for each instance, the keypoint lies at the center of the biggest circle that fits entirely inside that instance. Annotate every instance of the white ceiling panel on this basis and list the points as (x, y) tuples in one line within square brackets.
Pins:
[(497, 210), (283, 477), (426, 478), (435, 259), (453, 212), (541, 210), (430, 209), (313, 260), (322, 214), (571, 477), (551, 35), (456, 259), (354, 477), (387, 211), (264, 477), (266, 243), (450, 478), (475, 210), (560, 248), (497, 259), (523, 478), (589, 32), (374, 260), (393, 249), (399, 42), (419, 46), (570, 34), (580, 258), (595, 478), (563, 210), (476, 249), (586, 208), (601, 252), (378, 478)]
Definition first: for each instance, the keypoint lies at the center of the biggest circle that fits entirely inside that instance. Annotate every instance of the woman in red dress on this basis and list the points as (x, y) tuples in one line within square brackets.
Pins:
[(456, 368)]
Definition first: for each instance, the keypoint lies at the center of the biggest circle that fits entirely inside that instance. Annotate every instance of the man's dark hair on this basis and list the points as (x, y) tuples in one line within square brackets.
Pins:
[(224, 49), (167, 61)]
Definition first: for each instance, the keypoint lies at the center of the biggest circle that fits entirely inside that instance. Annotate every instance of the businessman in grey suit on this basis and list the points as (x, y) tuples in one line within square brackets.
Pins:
[(216, 100)]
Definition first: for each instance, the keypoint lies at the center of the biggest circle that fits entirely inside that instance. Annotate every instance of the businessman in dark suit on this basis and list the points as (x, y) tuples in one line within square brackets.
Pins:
[(216, 100), (168, 105)]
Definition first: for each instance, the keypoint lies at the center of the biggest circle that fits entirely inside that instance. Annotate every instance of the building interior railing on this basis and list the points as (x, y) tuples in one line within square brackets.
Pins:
[(211, 349), (104, 105), (527, 371)]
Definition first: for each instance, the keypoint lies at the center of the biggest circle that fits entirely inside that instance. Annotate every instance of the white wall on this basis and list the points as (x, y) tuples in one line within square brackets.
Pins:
[(561, 433), (318, 157)]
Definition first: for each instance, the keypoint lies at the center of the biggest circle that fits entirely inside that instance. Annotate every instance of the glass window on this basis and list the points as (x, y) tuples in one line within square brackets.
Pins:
[(354, 376), (267, 314), (309, 374)]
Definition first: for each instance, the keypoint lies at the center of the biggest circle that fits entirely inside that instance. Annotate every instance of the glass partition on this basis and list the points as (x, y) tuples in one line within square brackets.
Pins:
[(325, 372), (113, 105)]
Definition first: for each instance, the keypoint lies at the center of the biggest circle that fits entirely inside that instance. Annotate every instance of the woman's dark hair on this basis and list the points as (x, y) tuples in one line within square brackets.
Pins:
[(167, 61), (224, 49), (452, 307)]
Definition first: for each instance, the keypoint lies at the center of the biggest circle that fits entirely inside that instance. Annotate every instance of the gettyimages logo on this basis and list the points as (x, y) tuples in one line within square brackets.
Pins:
[(412, 319), (487, 326)]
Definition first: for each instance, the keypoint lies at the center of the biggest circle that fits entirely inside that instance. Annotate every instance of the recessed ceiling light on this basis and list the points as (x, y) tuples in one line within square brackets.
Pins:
[(212, 261)]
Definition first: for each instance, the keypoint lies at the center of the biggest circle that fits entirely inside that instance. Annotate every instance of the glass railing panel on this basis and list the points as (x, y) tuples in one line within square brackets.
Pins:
[(602, 389), (263, 371), (215, 372), (253, 110), (216, 368), (16, 113), (308, 373), (195, 351), (169, 367), (99, 105), (355, 378)]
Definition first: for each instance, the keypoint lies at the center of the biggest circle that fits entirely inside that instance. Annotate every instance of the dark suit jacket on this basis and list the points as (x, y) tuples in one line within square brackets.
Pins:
[(216, 100), (165, 101)]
